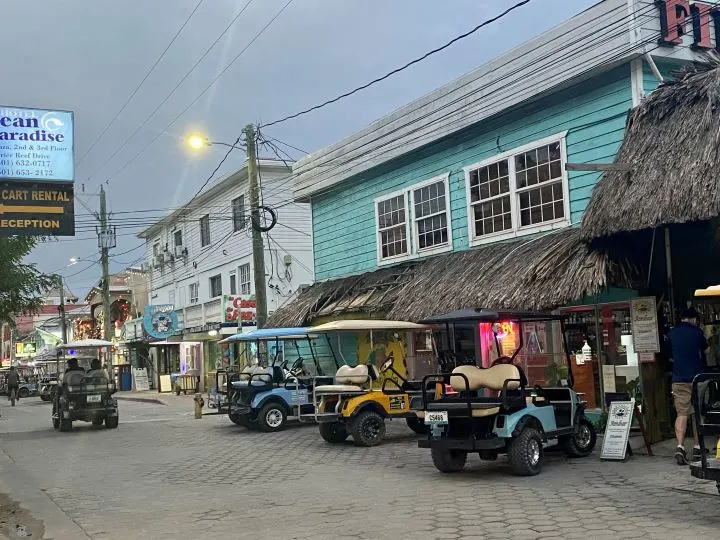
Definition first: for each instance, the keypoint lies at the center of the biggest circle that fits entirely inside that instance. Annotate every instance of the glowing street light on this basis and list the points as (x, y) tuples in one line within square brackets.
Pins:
[(197, 141)]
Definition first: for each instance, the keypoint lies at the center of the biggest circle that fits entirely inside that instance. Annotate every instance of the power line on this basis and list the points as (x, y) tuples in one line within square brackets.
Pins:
[(145, 78), (201, 94), (399, 69), (172, 92)]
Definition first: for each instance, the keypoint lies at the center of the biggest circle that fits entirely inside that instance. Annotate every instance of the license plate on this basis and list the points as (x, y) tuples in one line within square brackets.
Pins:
[(436, 417), (94, 399)]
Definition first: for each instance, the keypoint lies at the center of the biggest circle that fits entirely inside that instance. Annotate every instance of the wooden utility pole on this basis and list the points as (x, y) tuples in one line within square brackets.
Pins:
[(61, 310), (257, 240), (106, 241)]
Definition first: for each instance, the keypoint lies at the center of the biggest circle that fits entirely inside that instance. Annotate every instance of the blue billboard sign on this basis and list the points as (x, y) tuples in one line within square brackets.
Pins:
[(36, 144), (160, 321)]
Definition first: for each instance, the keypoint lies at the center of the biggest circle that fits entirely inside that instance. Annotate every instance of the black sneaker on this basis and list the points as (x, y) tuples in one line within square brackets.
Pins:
[(680, 456), (697, 454)]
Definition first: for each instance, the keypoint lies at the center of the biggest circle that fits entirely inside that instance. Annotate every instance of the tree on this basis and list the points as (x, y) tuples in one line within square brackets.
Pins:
[(21, 284)]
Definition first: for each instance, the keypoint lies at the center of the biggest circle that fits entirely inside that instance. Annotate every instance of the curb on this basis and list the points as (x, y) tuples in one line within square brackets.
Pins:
[(140, 399)]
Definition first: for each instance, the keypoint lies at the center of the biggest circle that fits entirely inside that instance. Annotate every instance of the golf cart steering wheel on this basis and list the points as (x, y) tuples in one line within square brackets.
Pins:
[(502, 360), (296, 366), (387, 364)]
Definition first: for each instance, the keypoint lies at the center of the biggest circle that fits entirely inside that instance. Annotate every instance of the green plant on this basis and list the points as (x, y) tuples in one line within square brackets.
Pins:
[(634, 390), (554, 373), (601, 422)]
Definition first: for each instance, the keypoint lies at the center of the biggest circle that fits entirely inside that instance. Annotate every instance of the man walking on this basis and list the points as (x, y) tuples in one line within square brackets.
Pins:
[(13, 384), (689, 349)]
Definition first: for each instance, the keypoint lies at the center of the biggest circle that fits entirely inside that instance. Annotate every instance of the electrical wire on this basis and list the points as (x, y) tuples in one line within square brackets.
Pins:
[(204, 91), (399, 69), (172, 92), (145, 78)]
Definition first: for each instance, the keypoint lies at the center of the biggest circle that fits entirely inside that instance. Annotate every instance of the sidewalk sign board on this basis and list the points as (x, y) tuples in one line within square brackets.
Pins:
[(140, 376), (617, 430)]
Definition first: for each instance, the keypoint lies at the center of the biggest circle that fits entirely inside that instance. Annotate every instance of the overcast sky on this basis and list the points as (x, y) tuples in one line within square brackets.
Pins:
[(88, 56)]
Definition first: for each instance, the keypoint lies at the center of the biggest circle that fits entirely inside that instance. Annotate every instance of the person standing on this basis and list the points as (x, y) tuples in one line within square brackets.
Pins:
[(689, 350)]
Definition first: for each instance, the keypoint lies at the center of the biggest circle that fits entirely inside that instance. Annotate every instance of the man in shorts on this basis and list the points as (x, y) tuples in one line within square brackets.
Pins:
[(689, 349)]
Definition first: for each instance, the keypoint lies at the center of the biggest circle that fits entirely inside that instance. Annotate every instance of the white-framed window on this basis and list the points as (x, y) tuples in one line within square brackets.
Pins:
[(518, 192), (414, 221), (177, 238), (245, 280), (233, 282), (204, 230), (238, 213), (194, 292), (215, 286)]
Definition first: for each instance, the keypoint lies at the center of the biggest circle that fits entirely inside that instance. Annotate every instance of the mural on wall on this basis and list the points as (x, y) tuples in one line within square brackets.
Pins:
[(382, 346)]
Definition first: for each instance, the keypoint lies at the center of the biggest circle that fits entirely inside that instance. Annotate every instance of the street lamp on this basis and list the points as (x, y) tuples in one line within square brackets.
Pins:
[(197, 141)]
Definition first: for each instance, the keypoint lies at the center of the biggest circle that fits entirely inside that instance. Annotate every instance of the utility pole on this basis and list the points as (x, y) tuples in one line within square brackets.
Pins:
[(61, 310), (257, 240), (106, 241)]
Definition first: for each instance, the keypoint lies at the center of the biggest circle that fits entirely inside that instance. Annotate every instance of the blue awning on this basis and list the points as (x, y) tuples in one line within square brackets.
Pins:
[(270, 334)]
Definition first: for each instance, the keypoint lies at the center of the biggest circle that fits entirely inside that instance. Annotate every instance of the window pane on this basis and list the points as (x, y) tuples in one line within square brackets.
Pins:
[(521, 179), (554, 151), (432, 231), (532, 178), (555, 169), (543, 155), (545, 203), (534, 197), (559, 210), (524, 218), (492, 216), (543, 173), (393, 242), (391, 212)]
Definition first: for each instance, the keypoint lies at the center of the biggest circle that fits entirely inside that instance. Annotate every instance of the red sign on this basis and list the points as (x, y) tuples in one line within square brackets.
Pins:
[(677, 15), (241, 309)]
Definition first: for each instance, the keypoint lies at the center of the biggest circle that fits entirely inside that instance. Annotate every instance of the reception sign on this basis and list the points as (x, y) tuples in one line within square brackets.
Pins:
[(36, 144)]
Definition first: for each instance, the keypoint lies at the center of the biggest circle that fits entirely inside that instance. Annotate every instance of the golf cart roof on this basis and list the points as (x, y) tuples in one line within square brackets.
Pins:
[(270, 334), (491, 315), (355, 325), (86, 343), (713, 290)]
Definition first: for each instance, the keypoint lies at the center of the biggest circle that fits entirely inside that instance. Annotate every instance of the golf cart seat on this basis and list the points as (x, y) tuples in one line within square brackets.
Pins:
[(260, 377), (72, 378), (492, 378), (350, 379)]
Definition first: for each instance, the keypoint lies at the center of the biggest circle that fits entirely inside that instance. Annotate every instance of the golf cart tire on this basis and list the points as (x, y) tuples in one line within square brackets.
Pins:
[(359, 429), (333, 432), (519, 450), (23, 393), (65, 424), (45, 398), (448, 461), (417, 425), (98, 421), (111, 422), (570, 443), (262, 421)]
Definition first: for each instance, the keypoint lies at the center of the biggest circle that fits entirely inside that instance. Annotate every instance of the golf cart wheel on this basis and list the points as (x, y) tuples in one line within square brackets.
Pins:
[(55, 419), (97, 421), (45, 398), (417, 425), (525, 452), (65, 424), (23, 393), (717, 485), (582, 442), (448, 461), (368, 429), (111, 422), (272, 417), (333, 432)]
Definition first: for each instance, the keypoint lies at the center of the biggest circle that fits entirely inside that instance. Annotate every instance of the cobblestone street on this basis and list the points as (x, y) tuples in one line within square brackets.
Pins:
[(163, 474)]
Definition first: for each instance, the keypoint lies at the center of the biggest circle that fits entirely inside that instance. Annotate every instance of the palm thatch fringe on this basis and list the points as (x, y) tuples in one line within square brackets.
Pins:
[(672, 143), (537, 273)]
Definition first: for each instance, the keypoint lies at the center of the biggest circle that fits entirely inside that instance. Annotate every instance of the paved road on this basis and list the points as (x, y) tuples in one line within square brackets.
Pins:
[(163, 474)]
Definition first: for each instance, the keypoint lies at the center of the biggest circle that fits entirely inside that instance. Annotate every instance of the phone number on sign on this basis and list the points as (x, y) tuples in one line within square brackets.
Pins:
[(25, 163), (30, 173)]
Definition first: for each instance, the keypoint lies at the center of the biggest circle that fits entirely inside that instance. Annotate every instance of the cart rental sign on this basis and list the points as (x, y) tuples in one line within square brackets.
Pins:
[(677, 15)]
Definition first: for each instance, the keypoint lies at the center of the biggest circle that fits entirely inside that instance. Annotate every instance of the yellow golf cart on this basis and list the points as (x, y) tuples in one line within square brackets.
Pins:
[(362, 397)]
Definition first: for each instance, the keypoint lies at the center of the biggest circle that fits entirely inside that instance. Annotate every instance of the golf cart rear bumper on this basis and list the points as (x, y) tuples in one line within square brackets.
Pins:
[(240, 410), (89, 413), (471, 445)]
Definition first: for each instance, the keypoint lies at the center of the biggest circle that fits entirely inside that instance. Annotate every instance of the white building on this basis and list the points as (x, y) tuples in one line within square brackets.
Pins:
[(201, 253)]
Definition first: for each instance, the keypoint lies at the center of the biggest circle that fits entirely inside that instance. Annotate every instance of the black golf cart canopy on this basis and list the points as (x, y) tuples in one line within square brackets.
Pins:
[(491, 315)]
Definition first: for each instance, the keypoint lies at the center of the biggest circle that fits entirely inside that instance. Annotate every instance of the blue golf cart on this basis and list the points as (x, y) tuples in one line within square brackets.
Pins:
[(493, 410), (282, 364)]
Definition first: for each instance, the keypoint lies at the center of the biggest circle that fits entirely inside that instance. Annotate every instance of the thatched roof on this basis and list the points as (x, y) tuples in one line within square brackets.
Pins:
[(537, 273), (672, 143)]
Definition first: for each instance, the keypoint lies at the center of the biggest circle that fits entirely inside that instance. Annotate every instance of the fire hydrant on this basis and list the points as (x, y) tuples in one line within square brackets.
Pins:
[(199, 404)]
